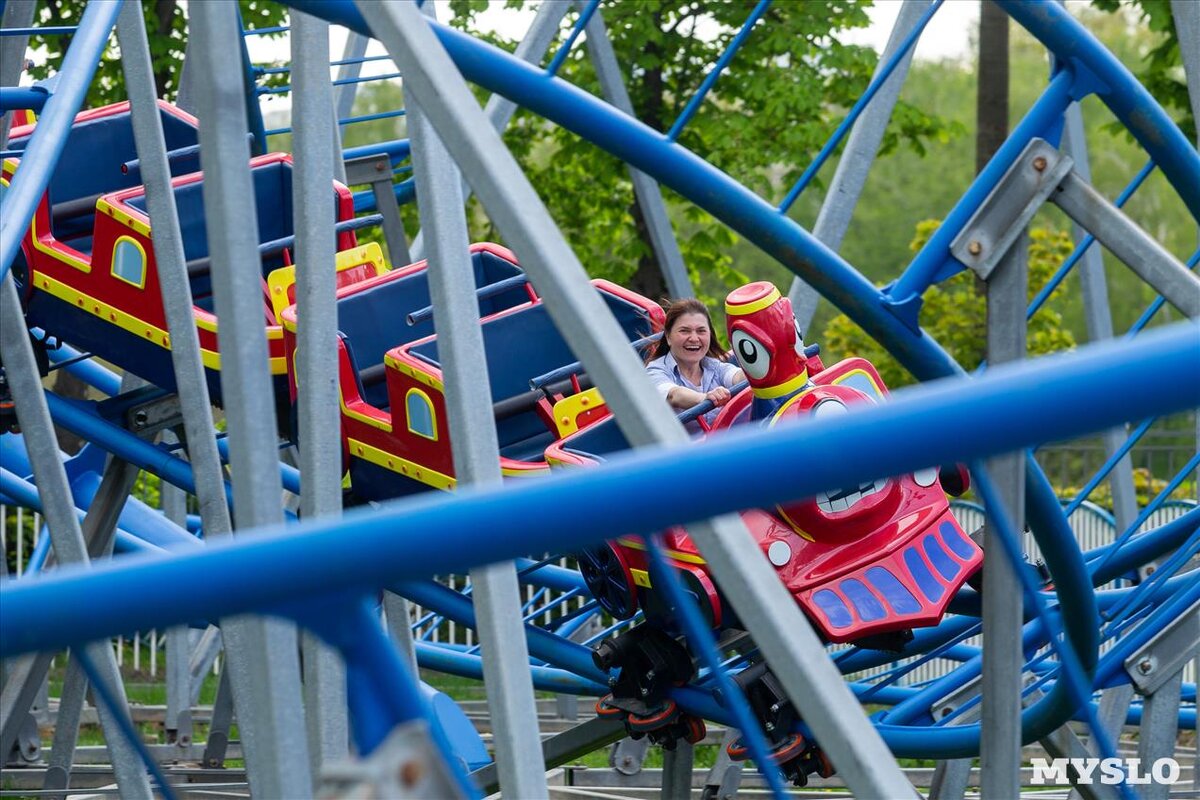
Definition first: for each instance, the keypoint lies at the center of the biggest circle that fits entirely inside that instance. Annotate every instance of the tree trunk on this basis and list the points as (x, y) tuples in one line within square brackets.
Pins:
[(991, 107)]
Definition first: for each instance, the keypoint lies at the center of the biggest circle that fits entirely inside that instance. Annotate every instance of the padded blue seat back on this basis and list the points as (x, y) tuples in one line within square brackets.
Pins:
[(91, 163), (374, 320), (524, 344)]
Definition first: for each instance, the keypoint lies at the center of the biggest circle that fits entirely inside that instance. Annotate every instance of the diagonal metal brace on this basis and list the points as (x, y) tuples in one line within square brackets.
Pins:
[(1159, 659), (1005, 212)]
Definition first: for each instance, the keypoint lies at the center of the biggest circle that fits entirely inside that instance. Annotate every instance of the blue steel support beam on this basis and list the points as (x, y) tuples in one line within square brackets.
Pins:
[(1036, 401), (553, 649), (41, 156)]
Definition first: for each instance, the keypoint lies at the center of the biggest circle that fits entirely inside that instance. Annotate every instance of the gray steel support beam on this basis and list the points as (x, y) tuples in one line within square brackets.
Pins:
[(677, 772), (65, 534), (725, 776), (1000, 747), (1148, 259), (855, 163), (645, 189), (172, 273), (17, 14), (178, 721), (1098, 317), (99, 529), (476, 449), (790, 646), (376, 170), (499, 109), (1114, 707), (221, 723), (205, 649), (1187, 28), (399, 625), (23, 679), (253, 669), (950, 779), (261, 653), (316, 356), (66, 727), (1063, 743), (1159, 731)]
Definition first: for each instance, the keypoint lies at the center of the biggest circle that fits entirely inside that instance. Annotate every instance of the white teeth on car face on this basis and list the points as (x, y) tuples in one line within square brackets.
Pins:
[(845, 499)]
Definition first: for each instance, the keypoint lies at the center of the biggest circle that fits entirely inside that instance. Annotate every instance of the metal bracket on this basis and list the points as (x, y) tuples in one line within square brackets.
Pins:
[(1011, 205), (950, 703), (1159, 659), (406, 765), (375, 170)]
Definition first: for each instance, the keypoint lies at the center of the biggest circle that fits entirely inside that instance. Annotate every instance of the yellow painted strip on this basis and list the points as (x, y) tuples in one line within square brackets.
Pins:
[(412, 372), (687, 558), (400, 466), (386, 427), (525, 473), (132, 324), (122, 216), (742, 309), (771, 392), (57, 255)]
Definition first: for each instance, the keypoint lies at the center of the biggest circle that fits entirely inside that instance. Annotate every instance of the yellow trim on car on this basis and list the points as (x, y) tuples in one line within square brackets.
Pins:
[(742, 309), (771, 392), (401, 466), (686, 558)]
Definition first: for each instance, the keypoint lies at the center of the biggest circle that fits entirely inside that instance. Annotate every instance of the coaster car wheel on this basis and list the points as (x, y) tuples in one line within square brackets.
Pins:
[(608, 578)]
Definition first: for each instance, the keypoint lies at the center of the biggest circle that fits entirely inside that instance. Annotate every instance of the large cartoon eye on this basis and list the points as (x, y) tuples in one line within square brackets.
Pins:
[(754, 358), (799, 339), (828, 408)]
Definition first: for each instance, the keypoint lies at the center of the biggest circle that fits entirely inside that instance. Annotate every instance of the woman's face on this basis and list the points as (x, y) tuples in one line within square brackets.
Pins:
[(689, 338)]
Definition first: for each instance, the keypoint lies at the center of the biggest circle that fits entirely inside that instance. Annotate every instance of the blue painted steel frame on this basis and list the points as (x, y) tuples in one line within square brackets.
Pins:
[(1049, 398)]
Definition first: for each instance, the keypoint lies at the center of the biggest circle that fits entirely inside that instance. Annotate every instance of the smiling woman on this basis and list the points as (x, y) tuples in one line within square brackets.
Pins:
[(687, 364)]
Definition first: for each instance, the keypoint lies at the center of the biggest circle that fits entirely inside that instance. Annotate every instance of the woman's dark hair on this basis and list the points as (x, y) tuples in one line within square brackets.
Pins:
[(675, 310)]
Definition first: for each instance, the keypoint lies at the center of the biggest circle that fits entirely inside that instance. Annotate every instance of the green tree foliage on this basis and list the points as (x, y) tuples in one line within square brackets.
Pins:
[(956, 315), (166, 30), (1161, 70), (766, 117)]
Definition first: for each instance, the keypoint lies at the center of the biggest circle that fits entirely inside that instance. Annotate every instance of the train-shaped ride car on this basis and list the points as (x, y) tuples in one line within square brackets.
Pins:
[(87, 272), (866, 563), (395, 433)]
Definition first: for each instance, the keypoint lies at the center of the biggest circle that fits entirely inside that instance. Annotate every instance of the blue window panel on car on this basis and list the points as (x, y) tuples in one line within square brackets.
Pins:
[(420, 415), (868, 605), (941, 561), (916, 565), (835, 610), (956, 541), (898, 596), (129, 263)]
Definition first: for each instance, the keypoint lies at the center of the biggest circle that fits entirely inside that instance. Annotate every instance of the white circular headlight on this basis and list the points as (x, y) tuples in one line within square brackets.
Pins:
[(828, 408), (780, 553), (925, 477)]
